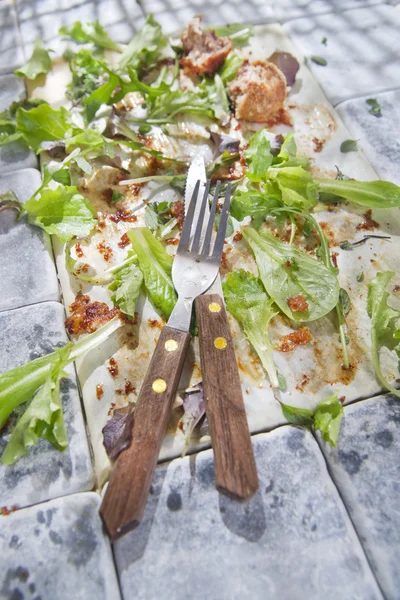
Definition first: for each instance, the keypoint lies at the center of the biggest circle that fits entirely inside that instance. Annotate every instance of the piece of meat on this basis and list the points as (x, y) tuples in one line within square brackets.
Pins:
[(258, 92), (204, 52)]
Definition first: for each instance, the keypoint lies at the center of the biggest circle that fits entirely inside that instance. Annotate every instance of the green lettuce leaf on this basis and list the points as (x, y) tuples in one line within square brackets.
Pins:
[(297, 186), (101, 95), (248, 302), (126, 287), (8, 126), (230, 67), (145, 47), (287, 272), (39, 63), (42, 124), (238, 32), (43, 417), (94, 33), (156, 266), (18, 385), (258, 156), (63, 212), (87, 74), (326, 417), (373, 194), (385, 331)]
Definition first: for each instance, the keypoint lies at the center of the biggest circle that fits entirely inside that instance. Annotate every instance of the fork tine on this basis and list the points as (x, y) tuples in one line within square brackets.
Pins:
[(199, 227), (187, 224), (207, 239), (220, 239)]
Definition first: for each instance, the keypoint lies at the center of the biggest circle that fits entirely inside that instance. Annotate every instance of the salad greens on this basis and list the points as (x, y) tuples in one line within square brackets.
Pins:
[(156, 266), (126, 288), (44, 415), (326, 417), (89, 33), (288, 273), (248, 302), (38, 64), (385, 324), (42, 124)]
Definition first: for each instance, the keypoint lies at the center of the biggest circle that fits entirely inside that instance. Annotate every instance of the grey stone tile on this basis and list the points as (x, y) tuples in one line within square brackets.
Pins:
[(173, 15), (25, 334), (57, 550), (26, 256), (365, 467), (363, 47), (16, 155), (379, 137), (11, 55), (292, 540), (41, 18), (291, 9)]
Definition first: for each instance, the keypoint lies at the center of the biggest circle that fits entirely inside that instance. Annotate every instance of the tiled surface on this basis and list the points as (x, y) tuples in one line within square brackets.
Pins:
[(37, 17), (26, 256), (11, 55), (379, 137), (45, 473), (365, 467), (57, 551), (293, 540), (16, 155), (363, 49)]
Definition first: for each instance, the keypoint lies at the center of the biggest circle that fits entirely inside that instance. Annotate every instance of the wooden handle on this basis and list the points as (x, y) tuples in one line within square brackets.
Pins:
[(125, 498), (235, 467)]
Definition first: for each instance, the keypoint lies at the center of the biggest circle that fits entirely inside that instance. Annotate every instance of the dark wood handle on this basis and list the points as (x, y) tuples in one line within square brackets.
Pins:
[(235, 467), (125, 498)]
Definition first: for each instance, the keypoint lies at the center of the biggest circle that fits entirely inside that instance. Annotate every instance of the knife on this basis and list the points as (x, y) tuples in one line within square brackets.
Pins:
[(235, 468)]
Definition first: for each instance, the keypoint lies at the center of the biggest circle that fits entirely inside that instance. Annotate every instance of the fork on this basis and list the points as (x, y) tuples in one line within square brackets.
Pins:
[(194, 269)]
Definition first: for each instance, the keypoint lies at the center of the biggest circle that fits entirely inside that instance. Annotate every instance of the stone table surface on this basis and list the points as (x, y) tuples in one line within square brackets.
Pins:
[(311, 532)]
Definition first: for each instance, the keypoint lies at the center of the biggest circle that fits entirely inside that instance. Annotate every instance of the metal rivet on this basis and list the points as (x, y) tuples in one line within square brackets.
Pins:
[(214, 307), (171, 345), (220, 343), (159, 386)]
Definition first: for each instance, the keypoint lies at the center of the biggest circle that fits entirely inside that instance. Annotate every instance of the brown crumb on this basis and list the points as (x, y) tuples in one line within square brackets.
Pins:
[(334, 256), (113, 368), (78, 250), (99, 391), (297, 303), (238, 236), (318, 144), (289, 342), (178, 211), (368, 224), (124, 241), (105, 249), (123, 215), (87, 316)]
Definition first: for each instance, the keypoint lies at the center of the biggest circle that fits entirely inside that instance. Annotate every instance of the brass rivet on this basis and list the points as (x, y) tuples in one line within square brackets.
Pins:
[(159, 386), (220, 343), (214, 307), (171, 345)]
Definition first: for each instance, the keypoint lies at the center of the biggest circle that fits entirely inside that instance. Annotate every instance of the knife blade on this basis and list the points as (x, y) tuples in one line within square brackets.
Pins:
[(197, 172)]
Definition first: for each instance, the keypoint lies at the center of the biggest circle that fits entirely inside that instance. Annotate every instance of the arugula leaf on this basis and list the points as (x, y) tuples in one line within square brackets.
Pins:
[(296, 185), (319, 60), (19, 384), (101, 95), (178, 101), (375, 107), (217, 98), (156, 266), (326, 417), (87, 73), (62, 211), (230, 67), (385, 331), (145, 47), (248, 302), (91, 32), (42, 124), (349, 146), (39, 63), (43, 417), (373, 194), (252, 203), (238, 32), (126, 287), (258, 156), (287, 272)]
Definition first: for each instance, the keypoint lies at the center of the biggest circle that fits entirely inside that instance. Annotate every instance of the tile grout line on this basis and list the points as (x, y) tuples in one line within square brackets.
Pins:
[(367, 95)]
